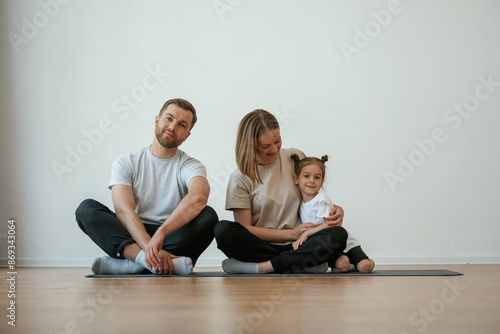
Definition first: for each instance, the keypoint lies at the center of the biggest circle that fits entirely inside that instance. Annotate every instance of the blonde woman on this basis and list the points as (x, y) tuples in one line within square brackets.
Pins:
[(265, 200)]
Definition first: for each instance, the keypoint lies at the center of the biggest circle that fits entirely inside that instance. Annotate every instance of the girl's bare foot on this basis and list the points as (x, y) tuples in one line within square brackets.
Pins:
[(366, 266), (341, 265)]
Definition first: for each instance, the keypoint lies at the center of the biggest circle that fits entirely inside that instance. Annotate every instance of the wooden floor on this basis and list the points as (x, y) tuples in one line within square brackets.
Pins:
[(62, 300)]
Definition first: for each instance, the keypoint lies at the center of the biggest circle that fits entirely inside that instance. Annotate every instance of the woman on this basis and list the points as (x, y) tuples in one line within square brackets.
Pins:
[(265, 202)]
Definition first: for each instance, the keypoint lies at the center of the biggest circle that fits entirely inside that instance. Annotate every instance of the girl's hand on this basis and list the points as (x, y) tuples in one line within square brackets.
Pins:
[(299, 230), (300, 241), (336, 216)]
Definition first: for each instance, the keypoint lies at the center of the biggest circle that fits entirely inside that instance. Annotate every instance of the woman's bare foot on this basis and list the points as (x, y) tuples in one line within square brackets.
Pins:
[(365, 266), (341, 265)]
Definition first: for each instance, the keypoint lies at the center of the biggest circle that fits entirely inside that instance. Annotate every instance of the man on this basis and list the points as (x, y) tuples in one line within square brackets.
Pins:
[(159, 195)]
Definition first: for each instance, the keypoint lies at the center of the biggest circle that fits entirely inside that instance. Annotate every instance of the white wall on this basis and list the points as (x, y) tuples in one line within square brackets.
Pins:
[(364, 100)]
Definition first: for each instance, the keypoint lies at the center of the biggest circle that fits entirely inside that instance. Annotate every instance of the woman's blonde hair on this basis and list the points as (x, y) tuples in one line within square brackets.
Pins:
[(251, 127)]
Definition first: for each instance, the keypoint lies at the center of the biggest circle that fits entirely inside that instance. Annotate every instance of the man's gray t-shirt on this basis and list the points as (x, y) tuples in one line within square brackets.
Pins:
[(158, 184)]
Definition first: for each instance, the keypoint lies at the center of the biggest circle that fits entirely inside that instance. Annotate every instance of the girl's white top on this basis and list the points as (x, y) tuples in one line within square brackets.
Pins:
[(316, 209)]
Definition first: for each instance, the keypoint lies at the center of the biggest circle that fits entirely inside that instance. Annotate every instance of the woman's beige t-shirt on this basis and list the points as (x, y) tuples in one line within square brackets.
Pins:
[(275, 202)]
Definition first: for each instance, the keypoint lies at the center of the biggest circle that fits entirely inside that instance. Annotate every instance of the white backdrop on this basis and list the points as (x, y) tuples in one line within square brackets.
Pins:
[(403, 95)]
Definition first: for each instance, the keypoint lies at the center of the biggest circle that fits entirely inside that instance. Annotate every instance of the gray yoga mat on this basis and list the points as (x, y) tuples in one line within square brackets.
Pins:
[(419, 272)]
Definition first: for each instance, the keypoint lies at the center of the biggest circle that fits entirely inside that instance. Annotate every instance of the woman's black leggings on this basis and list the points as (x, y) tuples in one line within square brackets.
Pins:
[(235, 241)]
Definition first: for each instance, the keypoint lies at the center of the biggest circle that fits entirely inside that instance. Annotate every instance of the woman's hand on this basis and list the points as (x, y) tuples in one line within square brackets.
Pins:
[(336, 216)]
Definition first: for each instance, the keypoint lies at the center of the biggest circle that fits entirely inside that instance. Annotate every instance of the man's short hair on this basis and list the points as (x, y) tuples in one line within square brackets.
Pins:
[(186, 105)]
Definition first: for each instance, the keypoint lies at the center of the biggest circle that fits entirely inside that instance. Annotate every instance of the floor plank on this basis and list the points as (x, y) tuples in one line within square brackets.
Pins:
[(62, 300)]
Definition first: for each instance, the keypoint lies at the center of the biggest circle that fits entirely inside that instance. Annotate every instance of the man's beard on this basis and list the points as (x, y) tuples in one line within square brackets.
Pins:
[(164, 141)]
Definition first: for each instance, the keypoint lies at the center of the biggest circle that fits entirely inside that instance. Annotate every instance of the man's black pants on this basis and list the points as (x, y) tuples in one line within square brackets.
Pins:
[(102, 226)]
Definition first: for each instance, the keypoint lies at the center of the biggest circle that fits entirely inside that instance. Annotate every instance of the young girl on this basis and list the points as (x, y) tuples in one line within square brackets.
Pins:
[(316, 205)]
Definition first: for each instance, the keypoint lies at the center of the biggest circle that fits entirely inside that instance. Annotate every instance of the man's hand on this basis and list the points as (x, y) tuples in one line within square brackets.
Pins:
[(155, 257), (166, 266), (336, 216)]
